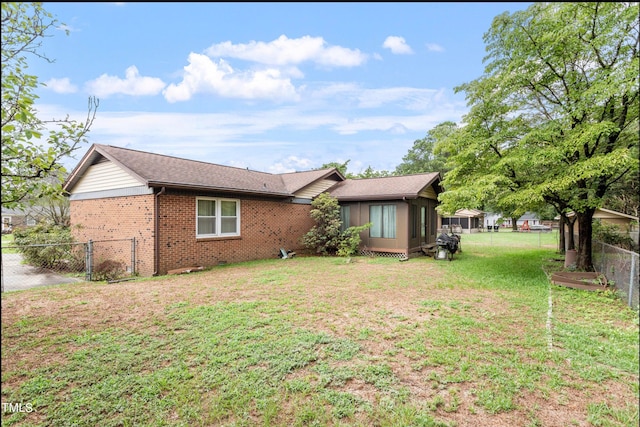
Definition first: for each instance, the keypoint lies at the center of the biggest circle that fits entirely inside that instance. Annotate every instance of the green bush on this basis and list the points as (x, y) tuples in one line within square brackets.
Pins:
[(327, 236), (324, 237), (47, 246), (350, 240), (612, 235)]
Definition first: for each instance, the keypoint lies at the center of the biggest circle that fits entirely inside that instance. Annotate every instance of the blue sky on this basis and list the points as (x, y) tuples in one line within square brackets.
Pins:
[(274, 87)]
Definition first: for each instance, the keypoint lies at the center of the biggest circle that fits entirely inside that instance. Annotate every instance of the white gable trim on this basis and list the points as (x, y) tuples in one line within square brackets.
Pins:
[(118, 192), (314, 189), (104, 177)]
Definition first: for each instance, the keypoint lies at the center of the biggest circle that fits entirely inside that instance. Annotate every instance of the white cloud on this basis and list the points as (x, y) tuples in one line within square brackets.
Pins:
[(285, 51), (282, 139), (61, 85), (347, 94), (204, 75), (434, 47), (397, 45), (401, 124), (291, 164), (409, 98), (133, 84)]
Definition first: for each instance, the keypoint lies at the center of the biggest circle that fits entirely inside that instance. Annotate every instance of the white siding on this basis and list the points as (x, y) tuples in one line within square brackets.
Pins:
[(311, 191), (104, 176)]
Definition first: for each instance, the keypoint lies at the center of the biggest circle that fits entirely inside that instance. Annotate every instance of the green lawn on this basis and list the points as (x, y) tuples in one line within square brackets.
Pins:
[(7, 239), (483, 340), (506, 237)]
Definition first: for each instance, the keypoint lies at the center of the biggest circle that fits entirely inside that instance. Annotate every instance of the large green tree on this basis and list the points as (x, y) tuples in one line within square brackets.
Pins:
[(422, 156), (33, 148), (554, 117), (369, 172)]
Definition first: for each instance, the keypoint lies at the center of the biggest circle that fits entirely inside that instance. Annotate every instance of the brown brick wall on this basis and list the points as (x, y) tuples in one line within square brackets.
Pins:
[(113, 219), (265, 227)]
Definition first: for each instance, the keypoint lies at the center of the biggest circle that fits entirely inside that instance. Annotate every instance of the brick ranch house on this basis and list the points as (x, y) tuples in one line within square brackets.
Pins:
[(186, 213)]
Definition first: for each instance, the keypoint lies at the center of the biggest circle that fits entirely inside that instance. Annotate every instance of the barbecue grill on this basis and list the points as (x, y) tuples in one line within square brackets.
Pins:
[(447, 245)]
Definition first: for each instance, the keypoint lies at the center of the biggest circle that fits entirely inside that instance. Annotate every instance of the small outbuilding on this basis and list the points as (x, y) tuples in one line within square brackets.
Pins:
[(469, 220), (626, 223)]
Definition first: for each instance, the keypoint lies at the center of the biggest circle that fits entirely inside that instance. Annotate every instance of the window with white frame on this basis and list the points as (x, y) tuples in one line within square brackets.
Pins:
[(217, 217)]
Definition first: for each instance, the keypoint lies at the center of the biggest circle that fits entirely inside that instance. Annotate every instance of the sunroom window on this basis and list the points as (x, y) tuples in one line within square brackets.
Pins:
[(383, 219)]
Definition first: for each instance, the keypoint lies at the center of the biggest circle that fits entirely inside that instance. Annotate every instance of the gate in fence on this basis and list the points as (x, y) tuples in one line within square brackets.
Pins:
[(24, 266)]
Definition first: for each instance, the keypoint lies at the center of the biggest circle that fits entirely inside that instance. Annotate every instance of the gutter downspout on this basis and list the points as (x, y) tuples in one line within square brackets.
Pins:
[(407, 249), (156, 232)]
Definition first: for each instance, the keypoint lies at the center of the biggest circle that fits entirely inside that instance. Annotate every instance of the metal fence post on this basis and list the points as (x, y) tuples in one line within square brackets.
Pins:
[(631, 277), (89, 260)]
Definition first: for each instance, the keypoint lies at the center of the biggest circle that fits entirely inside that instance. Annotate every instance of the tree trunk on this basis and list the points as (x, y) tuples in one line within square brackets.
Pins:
[(561, 240), (570, 235), (514, 224), (584, 261)]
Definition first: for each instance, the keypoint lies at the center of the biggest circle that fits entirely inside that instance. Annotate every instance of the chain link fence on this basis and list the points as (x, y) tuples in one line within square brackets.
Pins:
[(25, 266), (111, 259), (620, 267)]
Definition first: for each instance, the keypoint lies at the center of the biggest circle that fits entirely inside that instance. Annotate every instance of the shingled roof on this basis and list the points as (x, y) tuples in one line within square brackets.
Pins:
[(386, 188), (295, 181), (157, 170)]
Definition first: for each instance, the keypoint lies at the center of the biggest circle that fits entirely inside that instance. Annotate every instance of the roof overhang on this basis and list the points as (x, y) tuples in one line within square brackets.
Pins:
[(207, 188), (378, 197)]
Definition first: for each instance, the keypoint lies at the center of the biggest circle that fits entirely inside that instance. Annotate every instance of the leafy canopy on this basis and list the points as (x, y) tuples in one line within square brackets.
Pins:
[(554, 117), (423, 156), (32, 148)]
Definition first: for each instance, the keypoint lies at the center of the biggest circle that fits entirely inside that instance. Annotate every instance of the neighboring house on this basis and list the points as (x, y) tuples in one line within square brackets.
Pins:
[(12, 218), (530, 218), (626, 223), (470, 220), (491, 219), (402, 210), (185, 213)]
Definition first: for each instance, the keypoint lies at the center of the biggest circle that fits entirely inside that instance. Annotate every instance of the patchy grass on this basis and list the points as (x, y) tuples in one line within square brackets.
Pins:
[(317, 341), (7, 240)]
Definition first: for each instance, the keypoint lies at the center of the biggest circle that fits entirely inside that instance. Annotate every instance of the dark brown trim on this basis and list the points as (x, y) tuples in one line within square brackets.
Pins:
[(190, 187)]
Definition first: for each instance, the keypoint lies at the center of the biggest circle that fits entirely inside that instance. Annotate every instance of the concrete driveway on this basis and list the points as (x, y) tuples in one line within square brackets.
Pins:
[(17, 276)]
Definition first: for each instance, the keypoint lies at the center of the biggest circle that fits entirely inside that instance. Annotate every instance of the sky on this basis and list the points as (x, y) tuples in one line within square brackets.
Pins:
[(273, 87)]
